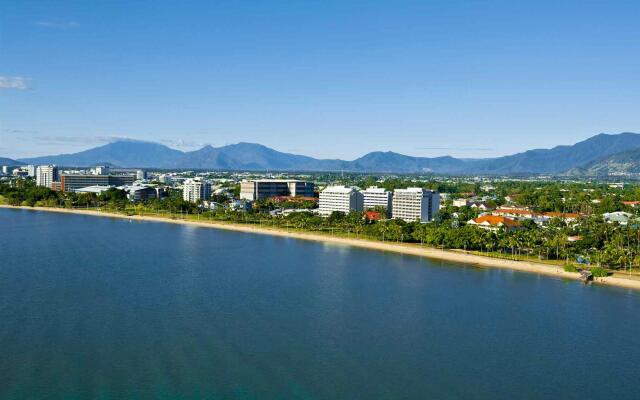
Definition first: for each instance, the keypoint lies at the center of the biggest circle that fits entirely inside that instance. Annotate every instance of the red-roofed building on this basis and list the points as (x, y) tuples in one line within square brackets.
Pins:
[(515, 212), (495, 222), (373, 216)]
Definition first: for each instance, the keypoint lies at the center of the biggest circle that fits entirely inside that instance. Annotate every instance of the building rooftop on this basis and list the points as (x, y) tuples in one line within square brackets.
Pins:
[(97, 189), (375, 189), (495, 220), (338, 189)]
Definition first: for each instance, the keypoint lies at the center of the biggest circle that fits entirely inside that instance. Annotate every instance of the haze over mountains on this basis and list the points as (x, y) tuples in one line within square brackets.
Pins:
[(581, 158)]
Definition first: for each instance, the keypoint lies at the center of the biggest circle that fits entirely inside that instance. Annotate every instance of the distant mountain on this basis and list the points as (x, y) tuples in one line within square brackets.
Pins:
[(560, 158), (123, 153), (379, 161), (624, 163), (256, 157), (8, 161)]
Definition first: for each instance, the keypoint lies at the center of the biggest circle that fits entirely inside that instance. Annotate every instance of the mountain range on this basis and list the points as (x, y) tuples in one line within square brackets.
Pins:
[(8, 161), (599, 154)]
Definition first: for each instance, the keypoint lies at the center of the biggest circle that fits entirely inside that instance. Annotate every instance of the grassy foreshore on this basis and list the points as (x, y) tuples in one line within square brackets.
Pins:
[(402, 248)]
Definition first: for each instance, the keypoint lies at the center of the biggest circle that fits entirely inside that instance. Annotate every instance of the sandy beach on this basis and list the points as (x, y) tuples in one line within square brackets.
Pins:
[(402, 248)]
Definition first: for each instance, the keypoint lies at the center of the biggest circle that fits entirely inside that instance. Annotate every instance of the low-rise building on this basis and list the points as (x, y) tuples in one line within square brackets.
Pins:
[(97, 189), (340, 198), (140, 192), (415, 204), (73, 182), (621, 217), (266, 188), (461, 202), (495, 223)]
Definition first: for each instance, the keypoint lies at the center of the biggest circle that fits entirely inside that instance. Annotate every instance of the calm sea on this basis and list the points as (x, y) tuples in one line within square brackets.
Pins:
[(100, 308)]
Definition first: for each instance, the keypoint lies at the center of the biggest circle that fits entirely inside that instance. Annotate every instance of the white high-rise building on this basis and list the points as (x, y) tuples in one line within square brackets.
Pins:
[(46, 175), (32, 170), (377, 197), (141, 175), (340, 198), (415, 204), (196, 189)]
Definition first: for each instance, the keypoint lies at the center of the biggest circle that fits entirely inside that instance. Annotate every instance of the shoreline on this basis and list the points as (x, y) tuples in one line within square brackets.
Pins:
[(408, 249)]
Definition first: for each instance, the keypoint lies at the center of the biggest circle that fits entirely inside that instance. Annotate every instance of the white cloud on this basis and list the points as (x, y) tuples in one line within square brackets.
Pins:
[(14, 82), (58, 25), (181, 143)]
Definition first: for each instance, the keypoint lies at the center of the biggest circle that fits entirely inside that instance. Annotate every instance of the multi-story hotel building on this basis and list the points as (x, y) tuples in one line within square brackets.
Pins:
[(73, 182), (265, 188), (46, 175), (377, 197), (196, 189), (415, 204), (340, 198)]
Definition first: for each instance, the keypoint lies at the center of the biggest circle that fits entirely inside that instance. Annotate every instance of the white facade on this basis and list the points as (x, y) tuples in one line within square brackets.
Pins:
[(101, 170), (375, 196), (340, 198), (415, 204), (196, 189), (461, 202), (32, 170), (141, 175), (46, 175)]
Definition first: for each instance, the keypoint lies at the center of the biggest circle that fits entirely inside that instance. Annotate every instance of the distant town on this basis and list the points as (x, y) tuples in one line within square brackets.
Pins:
[(579, 225)]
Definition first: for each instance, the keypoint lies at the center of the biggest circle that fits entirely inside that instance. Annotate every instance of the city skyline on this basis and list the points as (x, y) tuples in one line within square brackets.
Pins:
[(466, 80)]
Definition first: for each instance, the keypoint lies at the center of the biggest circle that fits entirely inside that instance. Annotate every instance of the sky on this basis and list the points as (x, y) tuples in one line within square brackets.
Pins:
[(330, 79)]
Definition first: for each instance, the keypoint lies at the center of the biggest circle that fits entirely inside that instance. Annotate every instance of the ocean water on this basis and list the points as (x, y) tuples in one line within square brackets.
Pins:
[(101, 308)]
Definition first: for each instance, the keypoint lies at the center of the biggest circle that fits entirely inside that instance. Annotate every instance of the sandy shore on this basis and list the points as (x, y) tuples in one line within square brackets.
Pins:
[(405, 248)]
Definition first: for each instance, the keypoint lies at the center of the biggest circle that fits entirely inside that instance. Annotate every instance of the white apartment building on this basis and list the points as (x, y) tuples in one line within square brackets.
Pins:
[(340, 198), (46, 175), (415, 204), (32, 170), (196, 189), (374, 196)]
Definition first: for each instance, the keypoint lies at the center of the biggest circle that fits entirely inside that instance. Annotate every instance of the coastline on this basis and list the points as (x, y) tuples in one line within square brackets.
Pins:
[(404, 248)]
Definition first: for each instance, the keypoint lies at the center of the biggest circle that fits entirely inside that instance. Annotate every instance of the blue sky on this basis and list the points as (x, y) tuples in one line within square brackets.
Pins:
[(322, 78)]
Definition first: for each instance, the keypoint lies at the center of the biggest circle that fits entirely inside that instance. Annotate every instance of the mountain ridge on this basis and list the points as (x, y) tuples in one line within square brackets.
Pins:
[(257, 157), (8, 161)]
